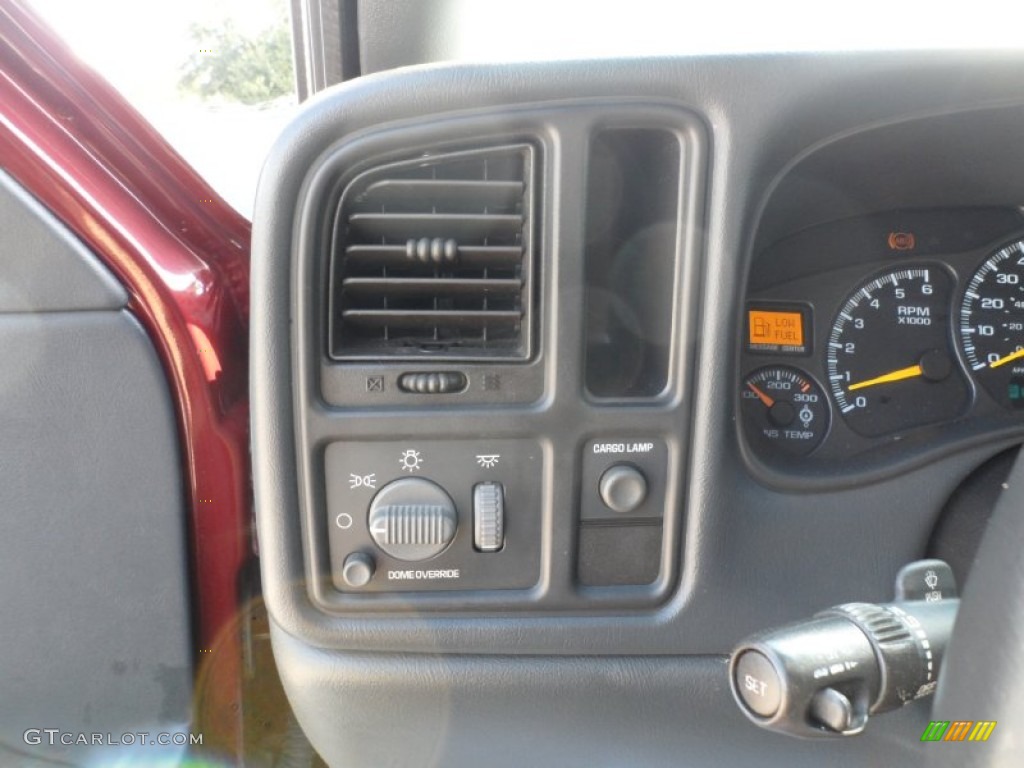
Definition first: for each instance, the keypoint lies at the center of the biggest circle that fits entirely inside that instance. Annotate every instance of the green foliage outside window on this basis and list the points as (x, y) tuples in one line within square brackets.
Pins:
[(231, 66)]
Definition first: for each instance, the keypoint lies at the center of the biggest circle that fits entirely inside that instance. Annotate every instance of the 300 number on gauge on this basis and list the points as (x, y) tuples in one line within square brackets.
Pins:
[(890, 363)]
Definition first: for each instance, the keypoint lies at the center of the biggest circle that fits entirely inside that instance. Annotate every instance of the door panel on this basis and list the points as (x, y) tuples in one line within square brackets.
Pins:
[(93, 563), (44, 268)]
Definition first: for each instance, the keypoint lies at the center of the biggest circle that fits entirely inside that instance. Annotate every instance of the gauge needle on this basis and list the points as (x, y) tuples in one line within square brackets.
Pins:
[(1007, 359), (768, 402), (903, 373)]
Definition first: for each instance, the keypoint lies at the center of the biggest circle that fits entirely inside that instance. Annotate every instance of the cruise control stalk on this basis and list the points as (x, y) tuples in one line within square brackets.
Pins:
[(827, 675)]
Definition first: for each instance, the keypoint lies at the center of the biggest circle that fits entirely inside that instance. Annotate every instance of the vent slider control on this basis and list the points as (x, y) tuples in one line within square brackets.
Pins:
[(441, 383)]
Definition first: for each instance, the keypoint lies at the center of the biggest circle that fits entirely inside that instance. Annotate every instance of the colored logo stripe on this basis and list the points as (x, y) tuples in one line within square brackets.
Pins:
[(958, 730), (982, 730)]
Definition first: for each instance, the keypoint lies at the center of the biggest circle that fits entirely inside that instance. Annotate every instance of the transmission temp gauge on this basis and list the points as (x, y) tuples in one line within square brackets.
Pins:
[(783, 410)]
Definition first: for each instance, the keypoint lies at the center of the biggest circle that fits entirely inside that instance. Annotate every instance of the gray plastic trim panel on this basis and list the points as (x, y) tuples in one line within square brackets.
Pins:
[(43, 267), (752, 556)]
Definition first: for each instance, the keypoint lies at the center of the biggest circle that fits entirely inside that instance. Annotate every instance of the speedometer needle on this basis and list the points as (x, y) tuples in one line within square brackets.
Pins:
[(903, 373), (1007, 358)]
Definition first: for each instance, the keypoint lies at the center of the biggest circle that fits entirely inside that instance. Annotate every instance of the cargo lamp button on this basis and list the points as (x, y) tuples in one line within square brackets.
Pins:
[(623, 488)]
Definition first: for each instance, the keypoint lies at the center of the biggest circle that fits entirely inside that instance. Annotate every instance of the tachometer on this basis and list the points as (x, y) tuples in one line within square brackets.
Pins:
[(890, 363), (992, 324)]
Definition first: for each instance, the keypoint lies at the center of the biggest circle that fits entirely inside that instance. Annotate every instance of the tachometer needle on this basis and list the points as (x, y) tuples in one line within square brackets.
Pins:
[(768, 402), (1007, 358), (903, 373)]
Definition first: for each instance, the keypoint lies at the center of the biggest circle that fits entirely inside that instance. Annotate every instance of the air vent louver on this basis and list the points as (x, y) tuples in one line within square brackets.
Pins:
[(432, 259)]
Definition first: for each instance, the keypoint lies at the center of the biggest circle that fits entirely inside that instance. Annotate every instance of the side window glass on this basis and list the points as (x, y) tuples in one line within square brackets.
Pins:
[(215, 77)]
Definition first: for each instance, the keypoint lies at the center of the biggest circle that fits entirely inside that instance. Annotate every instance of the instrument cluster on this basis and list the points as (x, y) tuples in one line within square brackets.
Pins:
[(895, 331)]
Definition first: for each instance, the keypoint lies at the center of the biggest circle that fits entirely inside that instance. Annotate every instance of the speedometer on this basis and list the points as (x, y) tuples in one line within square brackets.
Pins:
[(890, 363), (992, 324)]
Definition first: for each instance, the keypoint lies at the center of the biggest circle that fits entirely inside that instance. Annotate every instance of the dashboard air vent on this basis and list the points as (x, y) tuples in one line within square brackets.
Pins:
[(433, 259)]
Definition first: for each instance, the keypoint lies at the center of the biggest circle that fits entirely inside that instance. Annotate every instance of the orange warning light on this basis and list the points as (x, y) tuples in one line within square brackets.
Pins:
[(902, 241), (776, 328)]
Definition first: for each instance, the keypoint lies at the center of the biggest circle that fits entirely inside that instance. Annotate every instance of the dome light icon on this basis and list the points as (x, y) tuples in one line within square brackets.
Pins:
[(411, 460)]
